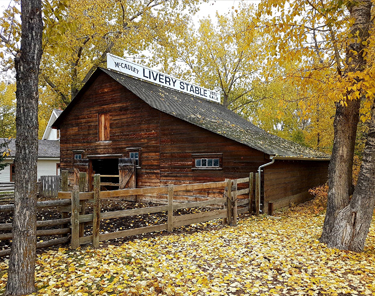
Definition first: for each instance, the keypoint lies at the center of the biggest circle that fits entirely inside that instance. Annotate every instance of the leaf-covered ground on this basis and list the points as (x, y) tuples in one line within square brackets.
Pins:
[(261, 256)]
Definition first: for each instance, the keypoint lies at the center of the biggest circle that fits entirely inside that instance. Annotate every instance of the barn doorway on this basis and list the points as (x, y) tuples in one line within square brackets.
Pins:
[(108, 170)]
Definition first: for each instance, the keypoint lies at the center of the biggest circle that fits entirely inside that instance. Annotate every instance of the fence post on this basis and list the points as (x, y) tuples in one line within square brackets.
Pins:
[(82, 188), (75, 218), (82, 181), (234, 199), (257, 195), (229, 202), (96, 214), (251, 192), (170, 208), (64, 180)]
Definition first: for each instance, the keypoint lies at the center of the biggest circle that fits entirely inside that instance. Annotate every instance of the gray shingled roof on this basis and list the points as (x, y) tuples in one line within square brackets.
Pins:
[(213, 117), (46, 148)]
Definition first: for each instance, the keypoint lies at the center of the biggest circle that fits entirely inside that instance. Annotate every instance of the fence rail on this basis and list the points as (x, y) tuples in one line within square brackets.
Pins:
[(234, 202)]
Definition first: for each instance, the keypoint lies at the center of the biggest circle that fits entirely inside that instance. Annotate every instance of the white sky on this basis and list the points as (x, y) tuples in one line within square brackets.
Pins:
[(221, 6)]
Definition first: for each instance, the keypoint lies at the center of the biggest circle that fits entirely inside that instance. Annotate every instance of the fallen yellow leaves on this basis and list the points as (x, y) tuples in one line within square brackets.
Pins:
[(261, 256)]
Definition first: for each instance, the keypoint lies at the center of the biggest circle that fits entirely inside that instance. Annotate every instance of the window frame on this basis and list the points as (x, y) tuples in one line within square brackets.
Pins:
[(131, 150), (207, 158)]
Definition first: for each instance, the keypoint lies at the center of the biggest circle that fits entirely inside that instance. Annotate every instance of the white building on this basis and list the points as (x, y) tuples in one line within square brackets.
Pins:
[(48, 159), (48, 153), (49, 133)]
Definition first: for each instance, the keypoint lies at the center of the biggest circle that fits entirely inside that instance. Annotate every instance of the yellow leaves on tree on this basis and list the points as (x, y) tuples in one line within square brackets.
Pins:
[(7, 110)]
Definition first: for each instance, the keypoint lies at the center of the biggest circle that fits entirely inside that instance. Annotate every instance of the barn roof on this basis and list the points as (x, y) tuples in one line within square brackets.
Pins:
[(210, 116), (46, 148)]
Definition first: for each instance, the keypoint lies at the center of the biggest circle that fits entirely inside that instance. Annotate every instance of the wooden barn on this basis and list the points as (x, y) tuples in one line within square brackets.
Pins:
[(148, 135)]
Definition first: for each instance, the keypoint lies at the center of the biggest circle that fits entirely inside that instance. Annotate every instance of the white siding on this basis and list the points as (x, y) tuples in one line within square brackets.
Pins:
[(45, 168), (5, 173), (52, 135)]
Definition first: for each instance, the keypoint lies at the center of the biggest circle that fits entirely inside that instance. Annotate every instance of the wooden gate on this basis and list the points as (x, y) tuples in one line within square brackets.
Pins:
[(49, 186)]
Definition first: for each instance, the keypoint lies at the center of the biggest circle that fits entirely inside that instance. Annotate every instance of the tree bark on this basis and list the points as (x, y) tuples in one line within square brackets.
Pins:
[(21, 273), (345, 128), (353, 222), (341, 165)]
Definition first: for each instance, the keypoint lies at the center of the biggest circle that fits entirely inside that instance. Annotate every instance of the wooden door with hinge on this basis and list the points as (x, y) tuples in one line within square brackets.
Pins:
[(127, 173)]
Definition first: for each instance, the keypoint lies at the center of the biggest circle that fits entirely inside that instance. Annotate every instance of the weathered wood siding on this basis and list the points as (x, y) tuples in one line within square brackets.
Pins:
[(181, 140), (289, 181)]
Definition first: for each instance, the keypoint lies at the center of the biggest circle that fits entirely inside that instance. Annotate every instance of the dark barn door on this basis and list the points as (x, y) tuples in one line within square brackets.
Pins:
[(108, 170)]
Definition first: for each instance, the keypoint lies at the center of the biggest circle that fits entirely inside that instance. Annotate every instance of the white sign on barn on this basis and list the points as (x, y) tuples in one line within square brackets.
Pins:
[(132, 69)]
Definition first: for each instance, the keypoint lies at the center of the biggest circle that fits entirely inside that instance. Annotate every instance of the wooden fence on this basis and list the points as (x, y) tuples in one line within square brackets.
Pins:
[(234, 202), (7, 227), (6, 191), (48, 187), (227, 208)]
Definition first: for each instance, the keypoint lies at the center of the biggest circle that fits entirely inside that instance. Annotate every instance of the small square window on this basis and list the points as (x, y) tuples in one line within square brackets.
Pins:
[(78, 156), (198, 162), (216, 162)]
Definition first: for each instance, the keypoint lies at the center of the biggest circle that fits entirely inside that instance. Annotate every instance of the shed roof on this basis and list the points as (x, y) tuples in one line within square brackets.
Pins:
[(46, 148), (208, 115)]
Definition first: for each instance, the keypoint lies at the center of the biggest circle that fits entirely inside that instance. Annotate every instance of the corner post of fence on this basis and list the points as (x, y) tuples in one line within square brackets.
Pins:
[(82, 203), (257, 195), (170, 208), (251, 192), (75, 218), (64, 180), (234, 203), (96, 213), (229, 201)]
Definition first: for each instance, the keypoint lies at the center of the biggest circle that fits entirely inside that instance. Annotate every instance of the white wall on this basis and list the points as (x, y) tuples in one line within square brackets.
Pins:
[(5, 173), (52, 135), (45, 168)]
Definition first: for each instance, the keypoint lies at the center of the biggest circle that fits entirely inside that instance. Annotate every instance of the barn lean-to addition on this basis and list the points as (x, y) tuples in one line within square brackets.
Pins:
[(151, 135)]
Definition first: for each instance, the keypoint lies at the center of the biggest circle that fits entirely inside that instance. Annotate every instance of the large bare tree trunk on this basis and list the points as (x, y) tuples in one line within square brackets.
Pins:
[(21, 273), (345, 127)]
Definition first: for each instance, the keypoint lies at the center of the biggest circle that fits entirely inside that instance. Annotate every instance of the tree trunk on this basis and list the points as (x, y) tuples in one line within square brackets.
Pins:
[(353, 222), (345, 127), (21, 273), (341, 165)]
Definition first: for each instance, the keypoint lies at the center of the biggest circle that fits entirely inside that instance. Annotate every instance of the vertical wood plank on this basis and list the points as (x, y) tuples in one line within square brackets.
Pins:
[(170, 208), (257, 196), (82, 188), (82, 181), (96, 212), (64, 180), (229, 201), (251, 192), (75, 218), (234, 199)]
